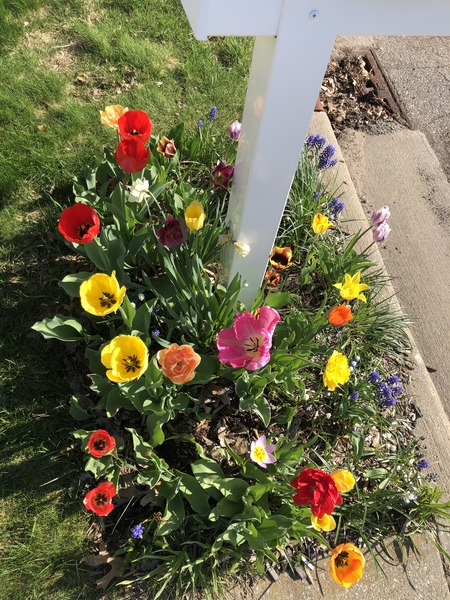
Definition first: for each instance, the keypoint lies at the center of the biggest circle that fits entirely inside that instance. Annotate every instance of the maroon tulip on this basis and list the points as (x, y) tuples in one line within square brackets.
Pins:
[(171, 234), (79, 223), (135, 125), (221, 174), (131, 155)]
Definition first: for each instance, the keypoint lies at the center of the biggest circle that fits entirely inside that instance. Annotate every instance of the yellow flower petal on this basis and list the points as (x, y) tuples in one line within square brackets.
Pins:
[(125, 357), (321, 224), (101, 294), (325, 523), (195, 216), (343, 480)]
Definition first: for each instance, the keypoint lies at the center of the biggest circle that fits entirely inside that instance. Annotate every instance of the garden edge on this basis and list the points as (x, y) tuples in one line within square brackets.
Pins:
[(423, 575)]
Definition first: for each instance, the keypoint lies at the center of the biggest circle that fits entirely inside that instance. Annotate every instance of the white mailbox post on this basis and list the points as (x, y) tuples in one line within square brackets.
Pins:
[(294, 39)]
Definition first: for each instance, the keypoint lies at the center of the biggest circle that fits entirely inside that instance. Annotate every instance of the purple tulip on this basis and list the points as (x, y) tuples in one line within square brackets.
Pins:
[(380, 216), (234, 130), (381, 233), (221, 174), (171, 234)]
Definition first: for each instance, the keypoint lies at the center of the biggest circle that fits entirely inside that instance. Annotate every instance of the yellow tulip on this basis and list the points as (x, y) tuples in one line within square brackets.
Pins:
[(101, 294), (351, 288), (343, 480), (325, 523), (195, 216), (112, 114), (321, 224), (337, 371), (125, 357)]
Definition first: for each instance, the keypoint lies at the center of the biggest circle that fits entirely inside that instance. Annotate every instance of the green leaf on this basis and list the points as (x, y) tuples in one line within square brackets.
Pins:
[(224, 508), (60, 328), (128, 312), (232, 488), (206, 370), (259, 489), (142, 450), (207, 471), (155, 431), (115, 400), (99, 466), (279, 299), (71, 283), (254, 539), (358, 445), (274, 527), (76, 411), (375, 473), (173, 516), (194, 493)]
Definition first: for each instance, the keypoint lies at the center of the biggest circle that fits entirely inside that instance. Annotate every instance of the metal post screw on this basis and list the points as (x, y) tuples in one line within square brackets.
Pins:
[(314, 14)]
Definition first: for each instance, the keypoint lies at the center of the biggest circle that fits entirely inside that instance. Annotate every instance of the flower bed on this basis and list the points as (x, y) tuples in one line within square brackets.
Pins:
[(221, 438)]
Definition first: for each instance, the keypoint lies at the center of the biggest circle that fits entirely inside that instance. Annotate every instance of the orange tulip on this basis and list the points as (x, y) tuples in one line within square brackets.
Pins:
[(346, 565), (178, 363), (272, 278), (280, 258), (340, 315)]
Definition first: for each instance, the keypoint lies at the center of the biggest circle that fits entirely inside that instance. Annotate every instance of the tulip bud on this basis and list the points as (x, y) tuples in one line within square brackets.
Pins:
[(234, 130), (380, 216), (381, 233)]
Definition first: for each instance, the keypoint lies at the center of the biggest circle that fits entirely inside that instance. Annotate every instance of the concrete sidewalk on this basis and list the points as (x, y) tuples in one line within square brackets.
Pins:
[(423, 577)]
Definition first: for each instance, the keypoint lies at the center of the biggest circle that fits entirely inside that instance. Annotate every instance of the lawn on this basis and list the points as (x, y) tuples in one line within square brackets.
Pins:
[(60, 64)]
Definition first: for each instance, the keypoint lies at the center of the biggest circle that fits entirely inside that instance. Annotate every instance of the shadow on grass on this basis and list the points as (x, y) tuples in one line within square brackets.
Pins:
[(43, 522)]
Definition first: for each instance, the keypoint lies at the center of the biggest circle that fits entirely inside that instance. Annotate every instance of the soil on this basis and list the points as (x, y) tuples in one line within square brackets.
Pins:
[(352, 99)]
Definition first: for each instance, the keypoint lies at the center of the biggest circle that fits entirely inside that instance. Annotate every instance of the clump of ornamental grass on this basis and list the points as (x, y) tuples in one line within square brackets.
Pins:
[(218, 439)]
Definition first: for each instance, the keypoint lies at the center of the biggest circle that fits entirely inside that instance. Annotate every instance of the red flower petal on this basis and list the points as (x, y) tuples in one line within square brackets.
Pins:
[(135, 124), (79, 223), (131, 155)]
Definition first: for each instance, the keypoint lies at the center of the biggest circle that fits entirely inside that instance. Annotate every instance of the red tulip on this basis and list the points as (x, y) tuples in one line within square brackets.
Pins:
[(99, 500), (131, 155), (135, 125), (100, 443), (79, 223), (318, 488)]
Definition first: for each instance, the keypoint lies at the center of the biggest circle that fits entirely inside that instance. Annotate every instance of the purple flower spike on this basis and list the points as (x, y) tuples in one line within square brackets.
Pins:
[(137, 531)]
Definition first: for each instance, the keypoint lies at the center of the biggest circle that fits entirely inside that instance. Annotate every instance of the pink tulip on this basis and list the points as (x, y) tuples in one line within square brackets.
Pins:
[(247, 344), (381, 233), (234, 130), (380, 216)]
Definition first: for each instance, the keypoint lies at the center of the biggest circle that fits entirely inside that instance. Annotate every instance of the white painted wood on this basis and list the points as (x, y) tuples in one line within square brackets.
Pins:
[(285, 78), (280, 100), (233, 17), (360, 17)]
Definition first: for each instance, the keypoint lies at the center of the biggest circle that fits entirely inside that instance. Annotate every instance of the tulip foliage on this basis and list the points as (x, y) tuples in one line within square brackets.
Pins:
[(198, 416)]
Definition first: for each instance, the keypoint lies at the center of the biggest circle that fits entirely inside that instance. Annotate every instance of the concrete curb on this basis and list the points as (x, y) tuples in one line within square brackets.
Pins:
[(423, 576)]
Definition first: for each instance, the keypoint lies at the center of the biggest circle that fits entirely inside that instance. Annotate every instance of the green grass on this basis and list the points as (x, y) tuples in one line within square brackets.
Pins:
[(60, 63)]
